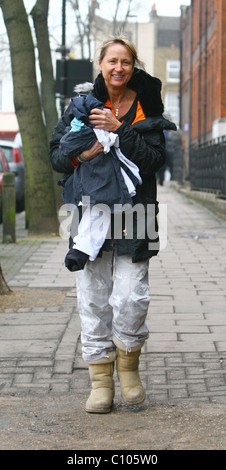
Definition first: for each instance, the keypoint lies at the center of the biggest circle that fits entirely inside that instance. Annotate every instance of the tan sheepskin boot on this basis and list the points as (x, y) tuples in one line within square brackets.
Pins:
[(132, 390), (103, 390)]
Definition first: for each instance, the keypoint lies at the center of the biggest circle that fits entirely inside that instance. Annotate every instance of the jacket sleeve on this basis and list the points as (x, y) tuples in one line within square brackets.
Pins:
[(146, 150), (59, 162)]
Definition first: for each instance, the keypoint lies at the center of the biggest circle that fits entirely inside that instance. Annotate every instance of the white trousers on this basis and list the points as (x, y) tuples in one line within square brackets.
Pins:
[(113, 298)]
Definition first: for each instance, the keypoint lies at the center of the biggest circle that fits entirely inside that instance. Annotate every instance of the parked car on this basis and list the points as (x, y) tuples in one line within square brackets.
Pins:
[(14, 155), (4, 168)]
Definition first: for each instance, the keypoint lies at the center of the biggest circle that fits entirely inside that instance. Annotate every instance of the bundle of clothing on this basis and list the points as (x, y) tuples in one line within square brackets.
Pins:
[(110, 179)]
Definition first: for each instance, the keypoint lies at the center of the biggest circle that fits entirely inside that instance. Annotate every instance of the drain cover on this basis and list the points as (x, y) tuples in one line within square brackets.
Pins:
[(196, 236)]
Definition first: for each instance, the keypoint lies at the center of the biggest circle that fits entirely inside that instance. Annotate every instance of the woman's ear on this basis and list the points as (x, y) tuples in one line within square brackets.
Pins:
[(100, 65)]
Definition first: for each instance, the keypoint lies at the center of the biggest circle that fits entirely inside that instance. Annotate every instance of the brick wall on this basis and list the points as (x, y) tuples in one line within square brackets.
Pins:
[(208, 66), (223, 57)]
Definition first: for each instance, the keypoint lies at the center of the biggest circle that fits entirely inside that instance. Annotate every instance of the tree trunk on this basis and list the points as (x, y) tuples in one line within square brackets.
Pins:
[(4, 288), (39, 14), (40, 197)]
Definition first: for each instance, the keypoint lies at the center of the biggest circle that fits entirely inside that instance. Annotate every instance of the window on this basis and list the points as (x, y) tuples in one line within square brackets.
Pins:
[(167, 38), (173, 70), (172, 105)]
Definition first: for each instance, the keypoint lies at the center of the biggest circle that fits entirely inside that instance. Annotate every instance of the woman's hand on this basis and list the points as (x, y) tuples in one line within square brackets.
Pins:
[(93, 151), (104, 119)]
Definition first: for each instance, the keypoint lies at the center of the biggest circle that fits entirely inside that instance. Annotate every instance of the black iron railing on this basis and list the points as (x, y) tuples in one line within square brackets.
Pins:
[(208, 167)]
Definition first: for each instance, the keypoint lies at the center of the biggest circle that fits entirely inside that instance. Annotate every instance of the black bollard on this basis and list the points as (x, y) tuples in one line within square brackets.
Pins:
[(9, 208)]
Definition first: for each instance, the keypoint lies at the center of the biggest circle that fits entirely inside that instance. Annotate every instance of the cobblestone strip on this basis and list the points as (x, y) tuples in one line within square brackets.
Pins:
[(185, 376)]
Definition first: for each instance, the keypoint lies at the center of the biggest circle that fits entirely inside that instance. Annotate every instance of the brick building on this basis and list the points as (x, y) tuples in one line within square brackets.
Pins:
[(203, 59), (203, 93)]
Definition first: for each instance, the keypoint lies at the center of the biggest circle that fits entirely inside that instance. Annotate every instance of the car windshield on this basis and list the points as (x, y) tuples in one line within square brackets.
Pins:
[(8, 151)]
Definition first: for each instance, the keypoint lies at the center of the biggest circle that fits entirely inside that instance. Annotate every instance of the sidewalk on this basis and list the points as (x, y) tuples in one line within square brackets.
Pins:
[(44, 382)]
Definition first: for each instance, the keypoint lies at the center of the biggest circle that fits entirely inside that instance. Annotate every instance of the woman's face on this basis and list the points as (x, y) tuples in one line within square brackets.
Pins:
[(116, 66)]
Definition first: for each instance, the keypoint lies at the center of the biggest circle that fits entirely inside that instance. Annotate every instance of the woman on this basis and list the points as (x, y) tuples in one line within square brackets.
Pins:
[(113, 290)]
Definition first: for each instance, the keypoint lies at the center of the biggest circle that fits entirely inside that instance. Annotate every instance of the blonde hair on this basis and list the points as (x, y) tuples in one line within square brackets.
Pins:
[(121, 39)]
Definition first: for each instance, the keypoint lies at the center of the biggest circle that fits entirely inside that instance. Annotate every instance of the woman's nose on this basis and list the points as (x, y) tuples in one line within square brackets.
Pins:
[(118, 66)]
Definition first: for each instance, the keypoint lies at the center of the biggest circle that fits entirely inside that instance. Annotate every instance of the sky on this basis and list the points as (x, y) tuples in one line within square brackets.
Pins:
[(163, 7)]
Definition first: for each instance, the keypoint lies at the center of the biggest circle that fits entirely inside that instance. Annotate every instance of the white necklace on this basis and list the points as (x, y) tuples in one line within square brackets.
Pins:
[(117, 109)]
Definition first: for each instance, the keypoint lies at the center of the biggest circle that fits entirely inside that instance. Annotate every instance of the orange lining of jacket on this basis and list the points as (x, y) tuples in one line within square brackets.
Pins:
[(140, 116)]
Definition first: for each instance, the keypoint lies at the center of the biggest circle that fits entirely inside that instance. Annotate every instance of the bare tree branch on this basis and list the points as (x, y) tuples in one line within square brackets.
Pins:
[(85, 24), (127, 14)]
